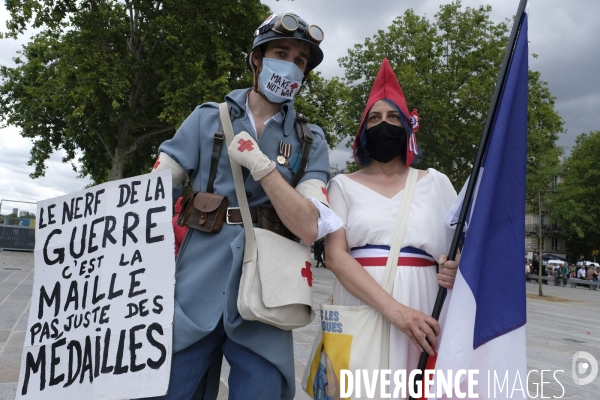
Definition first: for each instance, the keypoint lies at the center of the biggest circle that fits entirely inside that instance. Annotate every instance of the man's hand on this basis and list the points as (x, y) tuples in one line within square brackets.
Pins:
[(245, 151), (448, 270)]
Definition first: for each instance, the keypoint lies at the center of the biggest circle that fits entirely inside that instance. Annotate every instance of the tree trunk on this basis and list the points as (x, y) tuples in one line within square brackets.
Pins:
[(120, 154), (541, 293), (118, 165), (540, 247)]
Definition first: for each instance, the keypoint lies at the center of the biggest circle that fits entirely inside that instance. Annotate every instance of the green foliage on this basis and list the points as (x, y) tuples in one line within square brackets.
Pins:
[(576, 203), (448, 69), (543, 163), (543, 156), (324, 103), (351, 166), (108, 80)]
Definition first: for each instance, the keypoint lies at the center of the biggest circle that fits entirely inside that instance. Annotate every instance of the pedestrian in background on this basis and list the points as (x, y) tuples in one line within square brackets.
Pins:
[(544, 272), (318, 248), (589, 274), (565, 273), (535, 263)]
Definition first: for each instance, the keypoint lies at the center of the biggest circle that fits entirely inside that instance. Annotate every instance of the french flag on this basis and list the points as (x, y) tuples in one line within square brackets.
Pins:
[(486, 312)]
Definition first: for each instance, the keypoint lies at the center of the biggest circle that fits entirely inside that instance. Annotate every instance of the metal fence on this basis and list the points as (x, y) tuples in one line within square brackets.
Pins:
[(17, 225), (14, 237)]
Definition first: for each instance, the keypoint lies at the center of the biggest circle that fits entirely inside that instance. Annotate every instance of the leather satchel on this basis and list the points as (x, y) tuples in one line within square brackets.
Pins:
[(276, 283), (203, 211), (206, 211)]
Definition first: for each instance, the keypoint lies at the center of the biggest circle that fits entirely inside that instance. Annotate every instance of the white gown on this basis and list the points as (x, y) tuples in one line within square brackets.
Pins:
[(369, 219)]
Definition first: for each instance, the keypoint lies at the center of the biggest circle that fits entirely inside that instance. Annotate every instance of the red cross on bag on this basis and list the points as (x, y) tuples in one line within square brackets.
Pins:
[(307, 273)]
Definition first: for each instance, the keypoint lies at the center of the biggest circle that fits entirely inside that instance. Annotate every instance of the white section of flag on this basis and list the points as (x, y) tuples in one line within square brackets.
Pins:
[(502, 355)]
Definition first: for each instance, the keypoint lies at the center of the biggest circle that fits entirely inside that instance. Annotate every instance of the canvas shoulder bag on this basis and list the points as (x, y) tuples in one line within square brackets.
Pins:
[(276, 283), (356, 337)]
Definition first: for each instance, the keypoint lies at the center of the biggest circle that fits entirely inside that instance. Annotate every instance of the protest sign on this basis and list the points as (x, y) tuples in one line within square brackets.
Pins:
[(101, 317)]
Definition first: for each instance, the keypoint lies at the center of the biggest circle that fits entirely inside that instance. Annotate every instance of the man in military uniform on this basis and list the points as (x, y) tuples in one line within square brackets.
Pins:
[(208, 267)]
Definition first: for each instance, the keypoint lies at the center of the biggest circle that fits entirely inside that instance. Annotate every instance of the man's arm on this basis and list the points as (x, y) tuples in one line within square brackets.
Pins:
[(181, 153), (297, 213), (295, 207)]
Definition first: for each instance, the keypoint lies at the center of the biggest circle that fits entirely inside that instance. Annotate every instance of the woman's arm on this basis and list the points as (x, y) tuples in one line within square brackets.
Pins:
[(359, 283)]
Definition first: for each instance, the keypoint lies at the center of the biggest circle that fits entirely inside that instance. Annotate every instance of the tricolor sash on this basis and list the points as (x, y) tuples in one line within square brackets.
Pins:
[(376, 256)]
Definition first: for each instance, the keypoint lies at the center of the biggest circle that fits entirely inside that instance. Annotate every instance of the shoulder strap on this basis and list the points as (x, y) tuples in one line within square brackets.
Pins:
[(389, 274), (306, 138), (240, 192), (214, 158)]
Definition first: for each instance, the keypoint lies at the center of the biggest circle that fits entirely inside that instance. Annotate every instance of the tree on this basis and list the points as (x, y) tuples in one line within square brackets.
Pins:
[(112, 79), (543, 158), (576, 203), (448, 69), (323, 102)]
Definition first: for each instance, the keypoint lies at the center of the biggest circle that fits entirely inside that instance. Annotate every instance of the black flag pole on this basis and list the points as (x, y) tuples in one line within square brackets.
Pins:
[(441, 295)]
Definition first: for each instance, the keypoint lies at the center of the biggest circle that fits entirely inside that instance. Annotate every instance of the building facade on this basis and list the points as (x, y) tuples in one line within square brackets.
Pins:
[(552, 240)]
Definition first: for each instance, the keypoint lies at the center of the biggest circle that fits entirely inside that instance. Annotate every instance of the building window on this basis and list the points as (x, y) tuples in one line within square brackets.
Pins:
[(529, 243), (555, 244)]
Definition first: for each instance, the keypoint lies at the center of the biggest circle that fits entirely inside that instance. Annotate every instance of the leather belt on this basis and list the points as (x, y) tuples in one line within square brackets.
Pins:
[(266, 218), (234, 216)]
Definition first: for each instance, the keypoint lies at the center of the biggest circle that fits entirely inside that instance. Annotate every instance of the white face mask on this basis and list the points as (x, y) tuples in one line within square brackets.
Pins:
[(280, 80)]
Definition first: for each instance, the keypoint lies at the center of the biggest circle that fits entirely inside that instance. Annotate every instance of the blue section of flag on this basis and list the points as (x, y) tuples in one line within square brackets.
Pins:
[(493, 254)]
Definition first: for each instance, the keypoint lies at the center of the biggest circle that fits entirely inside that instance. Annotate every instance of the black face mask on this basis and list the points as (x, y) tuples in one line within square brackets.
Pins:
[(386, 141)]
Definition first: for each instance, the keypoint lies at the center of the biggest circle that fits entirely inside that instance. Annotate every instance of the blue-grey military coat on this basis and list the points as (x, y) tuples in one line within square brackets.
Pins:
[(208, 268)]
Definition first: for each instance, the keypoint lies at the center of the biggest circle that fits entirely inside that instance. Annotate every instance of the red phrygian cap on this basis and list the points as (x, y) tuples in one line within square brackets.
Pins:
[(386, 86)]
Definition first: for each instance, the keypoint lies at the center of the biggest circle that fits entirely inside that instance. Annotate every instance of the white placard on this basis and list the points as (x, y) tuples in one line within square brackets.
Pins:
[(101, 317)]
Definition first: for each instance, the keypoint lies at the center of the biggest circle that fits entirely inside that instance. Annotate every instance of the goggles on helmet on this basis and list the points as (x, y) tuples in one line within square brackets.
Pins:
[(288, 24)]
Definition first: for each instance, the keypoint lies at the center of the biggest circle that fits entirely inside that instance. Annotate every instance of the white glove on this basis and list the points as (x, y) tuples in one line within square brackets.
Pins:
[(245, 151)]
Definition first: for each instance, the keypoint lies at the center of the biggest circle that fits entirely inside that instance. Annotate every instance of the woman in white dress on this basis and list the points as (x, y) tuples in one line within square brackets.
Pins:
[(367, 201)]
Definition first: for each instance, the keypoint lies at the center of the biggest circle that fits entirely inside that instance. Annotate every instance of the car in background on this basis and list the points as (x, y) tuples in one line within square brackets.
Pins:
[(588, 263)]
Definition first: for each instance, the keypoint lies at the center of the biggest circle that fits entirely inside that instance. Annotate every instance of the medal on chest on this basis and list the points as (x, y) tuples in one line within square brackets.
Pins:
[(285, 150)]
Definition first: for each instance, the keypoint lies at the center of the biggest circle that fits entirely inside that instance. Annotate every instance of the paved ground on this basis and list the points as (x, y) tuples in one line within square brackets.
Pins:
[(16, 282), (555, 330)]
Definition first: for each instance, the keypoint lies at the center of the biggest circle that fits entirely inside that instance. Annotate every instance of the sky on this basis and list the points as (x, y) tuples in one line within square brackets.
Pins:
[(564, 35)]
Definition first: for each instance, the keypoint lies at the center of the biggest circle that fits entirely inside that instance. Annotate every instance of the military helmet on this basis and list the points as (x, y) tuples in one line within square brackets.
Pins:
[(289, 26)]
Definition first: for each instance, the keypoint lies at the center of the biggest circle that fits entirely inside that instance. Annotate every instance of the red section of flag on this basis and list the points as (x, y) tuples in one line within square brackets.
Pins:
[(156, 164), (429, 366), (307, 273), (245, 145), (325, 193)]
